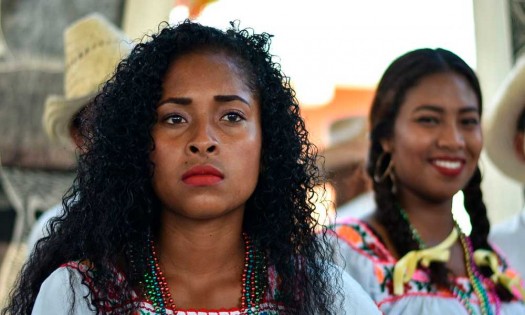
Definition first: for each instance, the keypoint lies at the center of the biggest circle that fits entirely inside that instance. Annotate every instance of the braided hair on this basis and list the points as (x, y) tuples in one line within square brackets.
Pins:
[(404, 73)]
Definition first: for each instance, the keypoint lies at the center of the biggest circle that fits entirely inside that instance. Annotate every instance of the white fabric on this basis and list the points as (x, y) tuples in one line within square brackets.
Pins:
[(55, 297), (356, 300), (440, 306), (38, 230), (373, 271), (509, 236), (358, 207), (363, 270)]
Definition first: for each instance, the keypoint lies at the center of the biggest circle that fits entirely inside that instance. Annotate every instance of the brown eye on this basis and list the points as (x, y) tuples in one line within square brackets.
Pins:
[(232, 117), (428, 120), (175, 120), (470, 121)]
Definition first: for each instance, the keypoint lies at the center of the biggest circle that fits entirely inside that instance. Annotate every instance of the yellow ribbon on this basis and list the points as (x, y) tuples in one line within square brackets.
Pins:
[(483, 257), (407, 265)]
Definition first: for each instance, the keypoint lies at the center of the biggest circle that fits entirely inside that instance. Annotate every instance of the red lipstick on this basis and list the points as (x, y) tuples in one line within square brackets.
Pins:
[(202, 175)]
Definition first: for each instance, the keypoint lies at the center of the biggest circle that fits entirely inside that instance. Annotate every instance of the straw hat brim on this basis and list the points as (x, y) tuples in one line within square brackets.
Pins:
[(93, 47), (500, 128), (345, 154), (349, 143), (58, 115)]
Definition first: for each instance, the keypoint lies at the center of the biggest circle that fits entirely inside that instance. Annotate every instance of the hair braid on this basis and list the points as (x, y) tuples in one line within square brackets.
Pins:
[(473, 201), (390, 217), (387, 214), (477, 212), (403, 74)]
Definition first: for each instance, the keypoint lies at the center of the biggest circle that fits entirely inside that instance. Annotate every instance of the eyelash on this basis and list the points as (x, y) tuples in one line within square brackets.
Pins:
[(470, 121), (238, 115), (169, 118), (465, 121), (427, 120)]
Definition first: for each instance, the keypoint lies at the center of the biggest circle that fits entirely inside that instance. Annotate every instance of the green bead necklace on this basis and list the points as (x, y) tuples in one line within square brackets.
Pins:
[(254, 280), (475, 278), (413, 232)]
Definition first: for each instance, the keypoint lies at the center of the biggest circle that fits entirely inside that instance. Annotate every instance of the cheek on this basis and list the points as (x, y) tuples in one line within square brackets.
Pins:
[(410, 157), (156, 159), (475, 144), (166, 148), (156, 179), (164, 158), (250, 156), (248, 160), (252, 145), (409, 148)]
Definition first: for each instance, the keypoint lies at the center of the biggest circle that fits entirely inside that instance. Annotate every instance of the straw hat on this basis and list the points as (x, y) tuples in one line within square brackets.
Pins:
[(92, 48), (348, 143), (500, 128)]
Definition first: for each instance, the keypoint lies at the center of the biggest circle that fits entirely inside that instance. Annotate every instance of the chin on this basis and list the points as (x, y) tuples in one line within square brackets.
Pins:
[(206, 212), (442, 196), (436, 193)]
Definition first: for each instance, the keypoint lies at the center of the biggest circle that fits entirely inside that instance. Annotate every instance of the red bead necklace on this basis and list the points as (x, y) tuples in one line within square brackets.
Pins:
[(254, 280)]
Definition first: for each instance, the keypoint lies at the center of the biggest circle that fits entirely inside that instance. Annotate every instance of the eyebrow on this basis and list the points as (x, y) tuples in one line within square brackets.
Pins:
[(229, 98), (218, 98), (439, 109)]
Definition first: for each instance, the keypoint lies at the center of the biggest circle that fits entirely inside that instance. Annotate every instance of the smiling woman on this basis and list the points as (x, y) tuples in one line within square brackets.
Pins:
[(426, 139), (192, 194)]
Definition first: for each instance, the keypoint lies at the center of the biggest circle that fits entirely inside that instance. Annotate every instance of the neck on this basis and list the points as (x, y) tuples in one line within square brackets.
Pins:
[(432, 220), (200, 247)]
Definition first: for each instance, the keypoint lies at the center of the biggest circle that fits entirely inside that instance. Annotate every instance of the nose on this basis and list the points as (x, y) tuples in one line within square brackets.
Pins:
[(451, 138), (203, 140)]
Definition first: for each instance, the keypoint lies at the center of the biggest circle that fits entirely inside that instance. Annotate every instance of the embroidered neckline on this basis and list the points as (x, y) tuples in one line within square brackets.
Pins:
[(254, 277)]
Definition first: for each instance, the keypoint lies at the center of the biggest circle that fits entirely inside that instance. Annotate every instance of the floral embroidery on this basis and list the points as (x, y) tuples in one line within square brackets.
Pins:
[(269, 306), (362, 239)]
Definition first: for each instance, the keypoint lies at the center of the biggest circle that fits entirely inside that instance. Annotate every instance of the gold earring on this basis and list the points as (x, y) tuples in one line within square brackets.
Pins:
[(378, 178)]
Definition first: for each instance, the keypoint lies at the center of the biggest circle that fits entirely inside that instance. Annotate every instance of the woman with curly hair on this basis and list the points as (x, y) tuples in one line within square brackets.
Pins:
[(410, 255), (194, 194)]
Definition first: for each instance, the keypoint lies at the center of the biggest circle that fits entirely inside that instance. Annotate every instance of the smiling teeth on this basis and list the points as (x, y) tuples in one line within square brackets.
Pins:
[(448, 164)]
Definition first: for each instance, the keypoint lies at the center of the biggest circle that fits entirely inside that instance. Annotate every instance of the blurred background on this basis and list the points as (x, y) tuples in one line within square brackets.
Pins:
[(334, 51)]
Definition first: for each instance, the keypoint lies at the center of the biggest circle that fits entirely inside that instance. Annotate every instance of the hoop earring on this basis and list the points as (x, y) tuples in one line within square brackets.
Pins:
[(392, 176), (378, 178)]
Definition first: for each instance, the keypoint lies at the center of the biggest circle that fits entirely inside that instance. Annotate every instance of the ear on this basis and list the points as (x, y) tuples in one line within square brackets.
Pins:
[(387, 145), (519, 146), (76, 137)]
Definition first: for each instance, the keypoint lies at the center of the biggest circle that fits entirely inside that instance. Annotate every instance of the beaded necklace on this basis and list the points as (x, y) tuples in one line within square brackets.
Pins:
[(475, 277), (254, 280), (413, 232)]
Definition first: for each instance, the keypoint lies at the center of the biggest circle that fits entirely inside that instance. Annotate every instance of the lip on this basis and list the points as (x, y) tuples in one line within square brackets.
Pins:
[(202, 175), (448, 166)]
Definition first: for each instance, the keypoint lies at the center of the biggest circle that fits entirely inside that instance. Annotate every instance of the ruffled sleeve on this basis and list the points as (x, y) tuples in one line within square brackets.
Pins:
[(362, 255), (58, 295)]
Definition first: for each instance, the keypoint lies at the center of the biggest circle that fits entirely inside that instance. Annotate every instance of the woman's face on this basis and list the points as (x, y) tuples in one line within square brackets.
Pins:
[(437, 138), (207, 138)]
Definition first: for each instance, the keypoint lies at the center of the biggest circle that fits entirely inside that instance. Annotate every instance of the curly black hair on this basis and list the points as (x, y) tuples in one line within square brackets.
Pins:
[(111, 205), (404, 73)]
